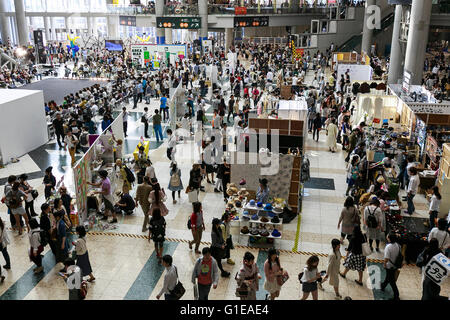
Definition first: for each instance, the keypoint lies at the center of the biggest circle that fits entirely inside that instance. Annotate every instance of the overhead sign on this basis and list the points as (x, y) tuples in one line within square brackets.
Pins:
[(240, 10), (127, 21), (179, 22), (251, 22)]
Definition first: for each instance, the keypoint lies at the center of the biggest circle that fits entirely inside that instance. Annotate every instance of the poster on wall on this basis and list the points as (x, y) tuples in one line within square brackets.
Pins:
[(207, 45)]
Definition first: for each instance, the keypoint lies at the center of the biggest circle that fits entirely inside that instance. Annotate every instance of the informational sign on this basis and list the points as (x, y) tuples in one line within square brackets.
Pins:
[(406, 83), (39, 43), (179, 22), (207, 45), (240, 10), (251, 22), (145, 53), (127, 21), (358, 72), (438, 268)]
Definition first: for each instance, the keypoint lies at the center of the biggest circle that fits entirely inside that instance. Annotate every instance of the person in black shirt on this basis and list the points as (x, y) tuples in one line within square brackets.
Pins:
[(46, 226), (66, 198), (126, 202), (49, 182), (59, 129), (230, 108)]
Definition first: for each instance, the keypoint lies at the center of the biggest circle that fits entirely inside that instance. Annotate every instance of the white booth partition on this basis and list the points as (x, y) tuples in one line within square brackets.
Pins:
[(22, 122)]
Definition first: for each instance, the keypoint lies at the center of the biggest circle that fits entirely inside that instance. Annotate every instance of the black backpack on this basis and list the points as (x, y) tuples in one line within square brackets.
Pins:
[(398, 261), (130, 175), (83, 139), (158, 228), (372, 220)]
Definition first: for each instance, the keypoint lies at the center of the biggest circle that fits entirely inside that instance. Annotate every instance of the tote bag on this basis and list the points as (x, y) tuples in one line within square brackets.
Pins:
[(366, 249), (193, 196)]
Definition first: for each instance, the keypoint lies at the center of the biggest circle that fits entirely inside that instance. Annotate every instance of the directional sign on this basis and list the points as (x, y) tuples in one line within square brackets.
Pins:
[(127, 21), (251, 22), (179, 22)]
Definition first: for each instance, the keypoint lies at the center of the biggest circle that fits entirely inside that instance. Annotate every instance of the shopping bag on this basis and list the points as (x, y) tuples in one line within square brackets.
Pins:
[(193, 196), (366, 249), (195, 292)]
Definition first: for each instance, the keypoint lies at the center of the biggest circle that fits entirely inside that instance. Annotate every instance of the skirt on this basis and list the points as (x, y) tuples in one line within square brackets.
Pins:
[(355, 262), (84, 264), (272, 286), (309, 286), (375, 234)]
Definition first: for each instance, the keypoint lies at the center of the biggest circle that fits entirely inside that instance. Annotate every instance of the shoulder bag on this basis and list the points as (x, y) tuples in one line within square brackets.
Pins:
[(365, 248), (178, 291), (242, 290), (281, 279)]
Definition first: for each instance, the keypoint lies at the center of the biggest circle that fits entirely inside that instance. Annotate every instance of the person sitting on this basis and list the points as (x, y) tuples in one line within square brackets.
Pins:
[(126, 202)]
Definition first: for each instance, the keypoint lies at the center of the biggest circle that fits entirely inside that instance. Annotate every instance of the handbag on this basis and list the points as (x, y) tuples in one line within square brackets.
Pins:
[(366, 249), (193, 196), (242, 290), (178, 291), (34, 194), (281, 279), (175, 180)]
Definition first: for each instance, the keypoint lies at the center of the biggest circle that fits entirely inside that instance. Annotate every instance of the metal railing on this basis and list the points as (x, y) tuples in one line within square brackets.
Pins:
[(230, 9), (181, 10)]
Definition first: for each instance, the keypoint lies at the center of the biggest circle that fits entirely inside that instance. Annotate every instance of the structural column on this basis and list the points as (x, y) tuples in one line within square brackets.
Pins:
[(67, 22), (160, 33), (4, 25), (21, 22), (228, 38), (113, 27), (419, 25), (168, 35), (203, 12), (396, 56), (89, 25), (48, 36), (367, 30)]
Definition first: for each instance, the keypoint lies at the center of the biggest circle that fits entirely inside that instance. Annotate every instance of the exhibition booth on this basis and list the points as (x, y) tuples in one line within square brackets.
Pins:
[(23, 123)]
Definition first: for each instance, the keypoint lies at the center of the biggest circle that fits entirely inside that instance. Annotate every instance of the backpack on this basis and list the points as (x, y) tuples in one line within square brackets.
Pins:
[(354, 172), (14, 200), (175, 180), (130, 175), (158, 229), (372, 220), (398, 262), (83, 139)]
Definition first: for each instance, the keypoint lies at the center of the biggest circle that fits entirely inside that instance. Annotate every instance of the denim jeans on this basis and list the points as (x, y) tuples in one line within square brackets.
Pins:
[(158, 132), (203, 291), (390, 279), (4, 251), (409, 200)]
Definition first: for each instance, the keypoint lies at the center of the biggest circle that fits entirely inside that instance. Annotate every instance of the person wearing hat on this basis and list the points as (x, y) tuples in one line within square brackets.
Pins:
[(29, 200), (106, 193), (49, 182), (262, 195)]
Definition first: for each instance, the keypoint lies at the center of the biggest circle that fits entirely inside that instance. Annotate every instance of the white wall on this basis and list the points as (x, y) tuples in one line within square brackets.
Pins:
[(23, 126)]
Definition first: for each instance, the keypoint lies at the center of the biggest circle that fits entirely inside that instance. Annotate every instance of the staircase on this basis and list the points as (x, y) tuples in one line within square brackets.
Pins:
[(7, 61), (355, 41)]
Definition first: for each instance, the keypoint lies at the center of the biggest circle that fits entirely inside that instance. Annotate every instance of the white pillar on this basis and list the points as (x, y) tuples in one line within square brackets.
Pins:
[(48, 36), (94, 26), (367, 30), (89, 25), (228, 38), (203, 13), (67, 22), (113, 27), (160, 33), (21, 22), (419, 25), (4, 23), (396, 56)]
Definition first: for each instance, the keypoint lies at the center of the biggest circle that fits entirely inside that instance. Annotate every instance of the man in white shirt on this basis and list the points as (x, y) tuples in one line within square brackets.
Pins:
[(171, 145), (413, 186), (170, 279), (391, 253), (270, 76), (441, 234)]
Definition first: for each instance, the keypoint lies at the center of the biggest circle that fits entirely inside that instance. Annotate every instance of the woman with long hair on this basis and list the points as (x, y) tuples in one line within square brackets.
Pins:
[(156, 199), (4, 241), (435, 203), (334, 260), (157, 232), (175, 183), (82, 254), (349, 218), (272, 269), (218, 245), (14, 198), (197, 225), (310, 277), (354, 259)]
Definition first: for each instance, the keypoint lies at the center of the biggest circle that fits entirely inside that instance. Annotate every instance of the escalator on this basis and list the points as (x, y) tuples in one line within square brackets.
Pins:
[(354, 41), (7, 61)]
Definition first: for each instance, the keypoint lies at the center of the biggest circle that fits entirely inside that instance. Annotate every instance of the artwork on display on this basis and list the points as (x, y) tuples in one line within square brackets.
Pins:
[(155, 53)]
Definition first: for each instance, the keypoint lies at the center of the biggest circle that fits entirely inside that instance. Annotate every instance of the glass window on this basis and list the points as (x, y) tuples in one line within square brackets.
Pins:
[(79, 23), (98, 5), (37, 22), (59, 22), (35, 5), (57, 6)]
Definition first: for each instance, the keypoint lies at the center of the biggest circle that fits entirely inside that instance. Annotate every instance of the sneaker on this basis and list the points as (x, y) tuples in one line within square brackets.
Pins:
[(338, 297), (215, 190), (371, 249), (229, 261), (377, 249), (2, 279), (319, 285), (7, 266), (39, 270)]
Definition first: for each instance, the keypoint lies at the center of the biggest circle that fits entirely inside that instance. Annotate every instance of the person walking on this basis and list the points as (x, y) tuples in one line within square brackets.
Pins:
[(49, 182), (29, 200), (46, 226), (62, 243), (195, 180), (391, 254), (352, 173), (36, 247), (348, 219), (272, 270), (157, 198), (317, 126), (58, 124), (171, 145), (374, 223), (125, 121), (354, 259), (14, 199), (170, 278), (413, 187), (107, 195), (441, 234), (226, 229), (83, 254), (435, 202), (164, 108), (71, 141), (334, 261), (142, 194), (157, 232), (310, 278), (71, 274), (207, 274), (197, 225), (144, 119), (4, 242), (157, 126), (175, 183), (218, 245), (248, 276), (430, 290), (332, 132)]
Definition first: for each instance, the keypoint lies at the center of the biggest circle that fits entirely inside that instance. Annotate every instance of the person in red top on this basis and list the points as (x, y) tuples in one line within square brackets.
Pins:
[(207, 274), (197, 225)]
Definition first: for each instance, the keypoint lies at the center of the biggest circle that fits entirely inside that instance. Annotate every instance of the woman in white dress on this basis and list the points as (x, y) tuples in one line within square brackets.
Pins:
[(332, 132)]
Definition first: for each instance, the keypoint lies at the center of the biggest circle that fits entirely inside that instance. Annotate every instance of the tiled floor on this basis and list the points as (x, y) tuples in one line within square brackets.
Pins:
[(124, 262)]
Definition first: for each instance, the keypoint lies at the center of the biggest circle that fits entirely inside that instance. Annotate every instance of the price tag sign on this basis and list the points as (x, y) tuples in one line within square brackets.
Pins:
[(438, 268)]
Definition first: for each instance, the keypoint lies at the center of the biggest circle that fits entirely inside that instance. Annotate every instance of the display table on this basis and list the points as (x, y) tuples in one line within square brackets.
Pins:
[(411, 232)]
